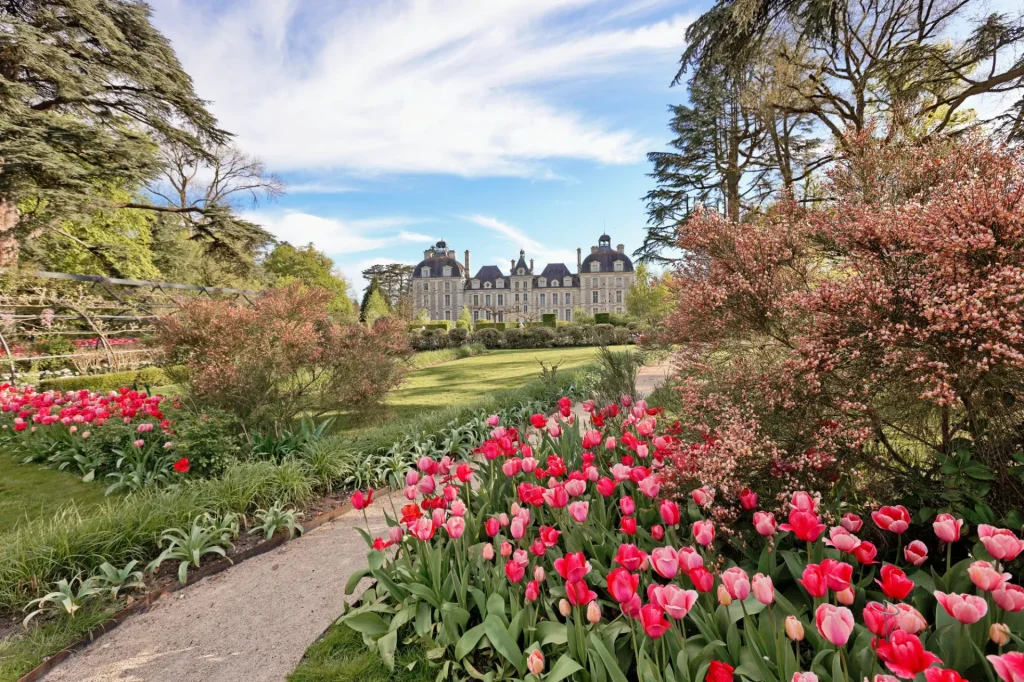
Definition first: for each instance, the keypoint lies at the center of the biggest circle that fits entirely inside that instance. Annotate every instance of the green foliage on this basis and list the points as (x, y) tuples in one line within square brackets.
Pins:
[(275, 446), (314, 269), (581, 316), (112, 580), (422, 317), (465, 320), (211, 440), (377, 307), (602, 318), (277, 518), (616, 375), (136, 468), (21, 652), (549, 319), (140, 379), (67, 598), (648, 298), (188, 546), (342, 656)]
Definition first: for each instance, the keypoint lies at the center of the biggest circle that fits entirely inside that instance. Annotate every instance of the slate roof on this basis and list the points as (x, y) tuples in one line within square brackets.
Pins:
[(490, 273), (436, 265), (557, 271), (607, 257)]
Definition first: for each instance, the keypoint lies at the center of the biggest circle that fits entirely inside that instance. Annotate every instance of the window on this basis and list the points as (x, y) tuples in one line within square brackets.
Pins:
[(515, 285), (519, 271), (526, 309), (593, 282), (425, 272), (618, 281), (500, 284), (487, 301), (447, 314), (487, 285), (618, 310), (618, 266), (476, 315), (426, 286), (476, 284), (447, 270), (554, 282), (542, 301), (501, 299), (542, 282), (501, 317), (554, 299), (595, 266), (568, 298), (488, 313), (447, 286), (567, 282), (593, 297), (517, 298), (447, 299), (594, 310), (476, 299), (618, 297), (568, 314)]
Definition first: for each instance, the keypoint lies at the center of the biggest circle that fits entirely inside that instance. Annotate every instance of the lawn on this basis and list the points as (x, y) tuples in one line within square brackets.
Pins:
[(26, 491)]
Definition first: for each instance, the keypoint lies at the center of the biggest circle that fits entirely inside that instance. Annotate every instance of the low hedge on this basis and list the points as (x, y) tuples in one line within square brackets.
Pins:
[(531, 335), (442, 324), (101, 383)]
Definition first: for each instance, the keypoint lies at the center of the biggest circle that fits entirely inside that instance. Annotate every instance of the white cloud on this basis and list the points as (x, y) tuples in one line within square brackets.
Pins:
[(451, 86), (334, 236), (517, 239), (319, 188)]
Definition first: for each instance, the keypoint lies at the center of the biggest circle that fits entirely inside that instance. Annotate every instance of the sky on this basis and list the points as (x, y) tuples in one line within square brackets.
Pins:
[(497, 125)]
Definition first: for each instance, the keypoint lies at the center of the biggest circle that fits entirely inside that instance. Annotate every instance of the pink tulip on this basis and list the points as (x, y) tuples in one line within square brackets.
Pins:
[(437, 517), (665, 562), (627, 506), (1009, 597), (895, 519), (916, 553), (669, 512), (804, 677), (532, 592), (704, 532), (422, 529), (702, 496), (511, 466), (575, 487), (1009, 667), (650, 486), (677, 602), (835, 623), (842, 539), (765, 524), (947, 527), (657, 532), (610, 443), (802, 501), (846, 597), (748, 499), (427, 485), (910, 619), (488, 552), (763, 589), (593, 612), (530, 464), (689, 559), (985, 577), (517, 529), (412, 477), (851, 522), (1001, 543), (493, 420), (395, 534), (724, 598), (737, 582), (578, 511), (506, 549), (966, 608), (880, 619), (458, 508), (411, 493)]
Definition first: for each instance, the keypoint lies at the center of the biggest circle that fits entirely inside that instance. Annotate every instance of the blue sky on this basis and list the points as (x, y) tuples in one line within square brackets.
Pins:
[(495, 124)]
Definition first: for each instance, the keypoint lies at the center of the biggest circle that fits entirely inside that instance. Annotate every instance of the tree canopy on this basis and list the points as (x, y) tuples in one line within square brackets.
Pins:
[(313, 268)]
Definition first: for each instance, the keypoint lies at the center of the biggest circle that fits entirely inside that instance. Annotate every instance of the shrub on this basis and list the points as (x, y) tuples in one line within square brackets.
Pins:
[(549, 320), (458, 336), (602, 318), (469, 350), (489, 337), (542, 337), (616, 375), (602, 334), (283, 356)]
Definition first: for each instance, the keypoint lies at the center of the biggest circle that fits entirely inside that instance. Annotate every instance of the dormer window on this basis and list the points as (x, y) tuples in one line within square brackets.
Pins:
[(476, 284), (595, 266), (519, 271), (425, 272), (554, 282), (500, 284), (542, 282), (618, 266), (487, 285), (567, 282), (447, 271)]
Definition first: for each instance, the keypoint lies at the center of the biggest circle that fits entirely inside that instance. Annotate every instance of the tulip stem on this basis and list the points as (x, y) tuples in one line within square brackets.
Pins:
[(949, 555), (846, 666)]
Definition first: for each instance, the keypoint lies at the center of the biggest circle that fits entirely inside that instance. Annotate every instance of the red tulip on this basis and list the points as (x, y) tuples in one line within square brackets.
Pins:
[(942, 675), (805, 525), (879, 619), (814, 580), (622, 584), (748, 499), (653, 621), (916, 553), (549, 535), (514, 571), (573, 566), (837, 574), (966, 608), (538, 421), (360, 501), (669, 511), (464, 473), (556, 497), (865, 553), (182, 467), (895, 583), (719, 672), (605, 486), (532, 590), (657, 532), (1009, 667), (835, 623), (579, 593), (904, 655), (947, 527), (630, 557), (628, 525), (893, 519)]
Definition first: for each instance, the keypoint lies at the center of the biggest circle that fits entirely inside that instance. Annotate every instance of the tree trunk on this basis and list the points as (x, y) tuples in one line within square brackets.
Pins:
[(9, 247)]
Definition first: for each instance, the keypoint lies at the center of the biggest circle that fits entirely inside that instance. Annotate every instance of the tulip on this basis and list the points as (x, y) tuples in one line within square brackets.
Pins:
[(904, 655), (511, 467), (895, 519), (724, 598), (999, 633), (564, 607), (794, 628), (630, 557), (665, 562), (805, 525), (657, 532), (846, 597), (838, 574), (985, 577), (653, 621), (865, 553), (804, 677), (689, 559), (1001, 543), (427, 485), (802, 501), (814, 580), (532, 591), (605, 486), (491, 527), (529, 465), (575, 487), (538, 573), (628, 525), (535, 662), (422, 529), (835, 623), (748, 499), (578, 511), (842, 539), (669, 511), (763, 589), (851, 522), (506, 549), (910, 619), (411, 493), (632, 607), (517, 529), (458, 508), (549, 535), (736, 582), (895, 583), (557, 497), (879, 619), (650, 486), (916, 553), (464, 473), (1009, 667), (593, 612), (412, 477), (579, 593), (764, 523), (360, 501), (702, 496), (455, 526), (966, 608), (622, 584), (947, 527), (627, 506), (704, 532), (573, 566), (437, 517), (488, 552), (1009, 597), (702, 579), (719, 671), (934, 674), (676, 601), (395, 534)]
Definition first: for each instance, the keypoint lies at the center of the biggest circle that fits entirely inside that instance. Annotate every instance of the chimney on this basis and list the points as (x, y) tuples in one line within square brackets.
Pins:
[(467, 264), (512, 265), (593, 249), (426, 254), (531, 265), (621, 248), (579, 259)]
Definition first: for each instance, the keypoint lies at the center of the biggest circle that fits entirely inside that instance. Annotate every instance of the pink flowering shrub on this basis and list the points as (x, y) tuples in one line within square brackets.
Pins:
[(553, 550), (283, 356), (884, 329)]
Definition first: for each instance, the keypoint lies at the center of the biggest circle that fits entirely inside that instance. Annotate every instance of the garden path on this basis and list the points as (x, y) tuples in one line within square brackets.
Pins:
[(252, 622)]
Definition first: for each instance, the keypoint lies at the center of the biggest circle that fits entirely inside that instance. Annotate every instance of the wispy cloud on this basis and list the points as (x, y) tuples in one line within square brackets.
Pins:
[(517, 239), (453, 86), (319, 188), (334, 236)]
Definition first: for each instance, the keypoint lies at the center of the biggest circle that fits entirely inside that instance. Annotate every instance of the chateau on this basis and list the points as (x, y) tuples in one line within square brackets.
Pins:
[(443, 286)]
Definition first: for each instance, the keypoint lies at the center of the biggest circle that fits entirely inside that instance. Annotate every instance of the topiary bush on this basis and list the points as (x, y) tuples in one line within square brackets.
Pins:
[(489, 337), (458, 336)]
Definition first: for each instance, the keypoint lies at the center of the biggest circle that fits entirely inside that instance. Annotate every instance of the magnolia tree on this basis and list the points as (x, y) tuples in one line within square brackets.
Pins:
[(885, 326), (284, 356)]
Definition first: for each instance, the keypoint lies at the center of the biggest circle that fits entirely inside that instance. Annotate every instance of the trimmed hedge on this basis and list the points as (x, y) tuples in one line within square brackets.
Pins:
[(101, 383), (602, 318), (442, 324), (531, 335), (549, 319)]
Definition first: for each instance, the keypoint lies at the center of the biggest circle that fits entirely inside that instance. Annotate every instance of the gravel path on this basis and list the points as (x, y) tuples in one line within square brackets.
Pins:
[(252, 622), (651, 376)]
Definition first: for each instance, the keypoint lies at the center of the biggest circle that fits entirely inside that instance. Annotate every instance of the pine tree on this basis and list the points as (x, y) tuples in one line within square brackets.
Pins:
[(376, 308), (465, 318)]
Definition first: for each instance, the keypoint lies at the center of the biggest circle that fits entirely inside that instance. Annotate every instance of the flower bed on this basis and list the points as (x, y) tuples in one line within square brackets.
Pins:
[(566, 560)]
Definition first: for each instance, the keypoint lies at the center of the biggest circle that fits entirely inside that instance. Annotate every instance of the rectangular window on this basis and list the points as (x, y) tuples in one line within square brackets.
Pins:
[(487, 301), (517, 298), (568, 315), (447, 286), (488, 313), (447, 314), (526, 309), (476, 315), (542, 299), (593, 297), (618, 297), (618, 310), (501, 317), (593, 282), (554, 299), (594, 310), (568, 299), (476, 299), (426, 286), (618, 281), (501, 299), (447, 299)]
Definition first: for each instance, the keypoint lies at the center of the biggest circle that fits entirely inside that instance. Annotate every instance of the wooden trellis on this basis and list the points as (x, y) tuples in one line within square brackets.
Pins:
[(105, 318)]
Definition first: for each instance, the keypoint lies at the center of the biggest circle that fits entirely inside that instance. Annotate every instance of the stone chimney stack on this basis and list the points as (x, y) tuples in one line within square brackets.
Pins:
[(621, 248), (531, 265), (593, 249), (468, 273), (426, 253), (579, 259), (512, 264)]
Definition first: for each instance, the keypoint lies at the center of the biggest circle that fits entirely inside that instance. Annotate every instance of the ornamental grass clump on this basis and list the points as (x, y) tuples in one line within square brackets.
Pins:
[(555, 550)]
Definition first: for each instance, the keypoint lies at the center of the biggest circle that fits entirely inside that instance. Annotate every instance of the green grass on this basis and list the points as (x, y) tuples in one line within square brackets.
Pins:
[(21, 653), (341, 656), (29, 492)]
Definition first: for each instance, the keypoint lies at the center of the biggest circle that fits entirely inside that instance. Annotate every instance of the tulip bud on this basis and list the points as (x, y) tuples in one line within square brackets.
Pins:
[(999, 633), (488, 552), (593, 612), (564, 608), (538, 574), (846, 597), (794, 629), (723, 596), (535, 662)]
